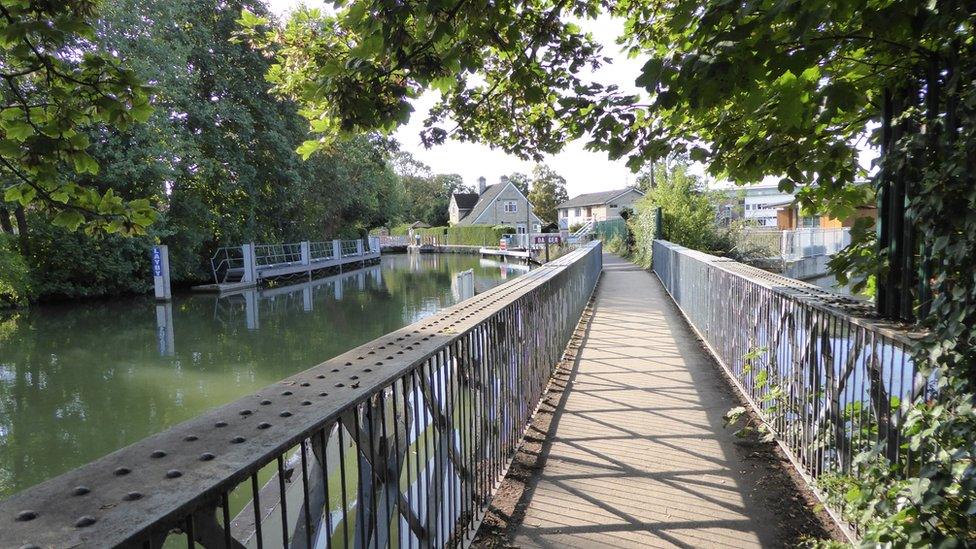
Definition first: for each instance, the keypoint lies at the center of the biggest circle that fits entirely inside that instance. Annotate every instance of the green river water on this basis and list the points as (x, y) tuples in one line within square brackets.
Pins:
[(80, 381)]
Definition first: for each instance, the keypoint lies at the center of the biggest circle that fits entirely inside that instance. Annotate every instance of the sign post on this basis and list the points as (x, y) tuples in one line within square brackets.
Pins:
[(160, 270), (546, 240)]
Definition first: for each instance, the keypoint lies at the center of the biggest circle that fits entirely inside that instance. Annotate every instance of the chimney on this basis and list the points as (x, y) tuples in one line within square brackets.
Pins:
[(504, 180), (481, 185)]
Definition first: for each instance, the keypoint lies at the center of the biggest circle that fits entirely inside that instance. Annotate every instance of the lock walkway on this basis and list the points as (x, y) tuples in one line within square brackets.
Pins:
[(637, 454)]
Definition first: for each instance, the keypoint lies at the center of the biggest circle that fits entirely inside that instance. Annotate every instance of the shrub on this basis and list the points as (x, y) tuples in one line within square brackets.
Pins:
[(468, 235), (15, 286)]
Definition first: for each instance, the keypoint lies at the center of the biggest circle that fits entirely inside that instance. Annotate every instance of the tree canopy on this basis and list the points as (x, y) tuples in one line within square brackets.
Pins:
[(548, 191)]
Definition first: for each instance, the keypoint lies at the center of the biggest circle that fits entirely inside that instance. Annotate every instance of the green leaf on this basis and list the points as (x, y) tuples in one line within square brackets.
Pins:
[(84, 163), (69, 219), (18, 130), (307, 148)]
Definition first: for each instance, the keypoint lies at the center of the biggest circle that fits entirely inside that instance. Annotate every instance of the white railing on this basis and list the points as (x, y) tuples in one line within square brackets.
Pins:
[(801, 243), (797, 244), (581, 233), (243, 263)]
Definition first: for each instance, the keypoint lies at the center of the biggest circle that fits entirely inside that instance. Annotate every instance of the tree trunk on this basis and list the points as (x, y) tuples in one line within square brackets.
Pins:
[(5, 225), (22, 230)]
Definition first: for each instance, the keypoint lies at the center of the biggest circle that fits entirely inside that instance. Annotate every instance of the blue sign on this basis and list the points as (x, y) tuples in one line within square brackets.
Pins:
[(157, 262)]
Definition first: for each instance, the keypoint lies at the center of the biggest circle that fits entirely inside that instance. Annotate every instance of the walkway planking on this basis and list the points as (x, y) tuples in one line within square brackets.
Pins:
[(637, 453)]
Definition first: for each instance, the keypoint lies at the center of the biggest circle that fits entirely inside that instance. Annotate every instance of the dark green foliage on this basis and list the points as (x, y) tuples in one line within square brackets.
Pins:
[(468, 235), (68, 264), (15, 288)]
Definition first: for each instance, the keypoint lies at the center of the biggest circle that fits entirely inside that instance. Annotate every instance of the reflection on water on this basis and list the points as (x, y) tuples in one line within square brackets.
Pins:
[(79, 381)]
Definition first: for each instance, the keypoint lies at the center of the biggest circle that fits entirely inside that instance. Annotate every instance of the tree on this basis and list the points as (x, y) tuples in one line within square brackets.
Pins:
[(521, 182), (216, 157), (428, 196), (688, 212), (55, 86), (548, 191)]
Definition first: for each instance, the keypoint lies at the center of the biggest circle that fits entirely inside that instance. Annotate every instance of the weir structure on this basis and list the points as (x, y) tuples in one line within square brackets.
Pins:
[(245, 266)]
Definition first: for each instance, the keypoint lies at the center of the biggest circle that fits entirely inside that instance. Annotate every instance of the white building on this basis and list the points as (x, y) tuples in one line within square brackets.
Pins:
[(761, 202), (601, 206)]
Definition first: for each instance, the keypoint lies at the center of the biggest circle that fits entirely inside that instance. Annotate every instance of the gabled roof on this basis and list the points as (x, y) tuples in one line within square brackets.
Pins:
[(485, 200), (465, 201), (595, 199)]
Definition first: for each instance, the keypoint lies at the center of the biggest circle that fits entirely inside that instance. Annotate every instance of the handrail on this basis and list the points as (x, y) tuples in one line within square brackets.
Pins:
[(443, 401), (826, 375)]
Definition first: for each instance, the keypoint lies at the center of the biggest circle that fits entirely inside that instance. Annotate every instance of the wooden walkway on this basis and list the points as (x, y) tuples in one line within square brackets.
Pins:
[(637, 454)]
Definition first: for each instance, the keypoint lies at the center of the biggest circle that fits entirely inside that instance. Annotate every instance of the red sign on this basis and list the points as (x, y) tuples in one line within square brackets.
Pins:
[(503, 244), (547, 239)]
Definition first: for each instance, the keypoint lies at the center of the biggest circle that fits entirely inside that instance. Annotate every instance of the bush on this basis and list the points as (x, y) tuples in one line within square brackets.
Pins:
[(15, 288), (68, 265), (400, 230), (468, 235)]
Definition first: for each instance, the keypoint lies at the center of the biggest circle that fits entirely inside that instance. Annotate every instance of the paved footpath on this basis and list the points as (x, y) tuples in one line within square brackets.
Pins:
[(638, 455)]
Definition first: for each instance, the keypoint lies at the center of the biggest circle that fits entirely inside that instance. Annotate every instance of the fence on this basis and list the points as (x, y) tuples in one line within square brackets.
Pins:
[(399, 442), (796, 244), (610, 228), (827, 379), (389, 241)]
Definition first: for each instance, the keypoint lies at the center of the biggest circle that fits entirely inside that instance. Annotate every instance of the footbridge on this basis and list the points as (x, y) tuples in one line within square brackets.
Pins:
[(406, 441), (238, 267)]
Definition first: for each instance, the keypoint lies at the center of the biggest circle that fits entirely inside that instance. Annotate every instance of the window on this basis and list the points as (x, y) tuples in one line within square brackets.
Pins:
[(613, 205), (511, 206), (579, 212), (810, 222), (565, 213)]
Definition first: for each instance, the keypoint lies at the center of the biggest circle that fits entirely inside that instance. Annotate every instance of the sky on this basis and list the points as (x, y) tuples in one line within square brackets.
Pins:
[(584, 171)]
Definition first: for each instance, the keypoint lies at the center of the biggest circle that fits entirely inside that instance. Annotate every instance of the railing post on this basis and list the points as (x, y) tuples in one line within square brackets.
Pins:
[(250, 263), (359, 246), (337, 249), (306, 253)]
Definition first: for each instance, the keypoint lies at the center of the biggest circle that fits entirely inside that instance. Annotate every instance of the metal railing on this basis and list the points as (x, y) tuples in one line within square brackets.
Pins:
[(803, 243), (394, 240), (226, 263), (826, 377), (321, 251), (268, 255), (796, 244), (399, 442), (350, 248)]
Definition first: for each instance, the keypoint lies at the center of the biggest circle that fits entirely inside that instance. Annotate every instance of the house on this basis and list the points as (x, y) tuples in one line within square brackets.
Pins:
[(498, 204), (760, 204), (788, 217), (596, 206), (460, 206)]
